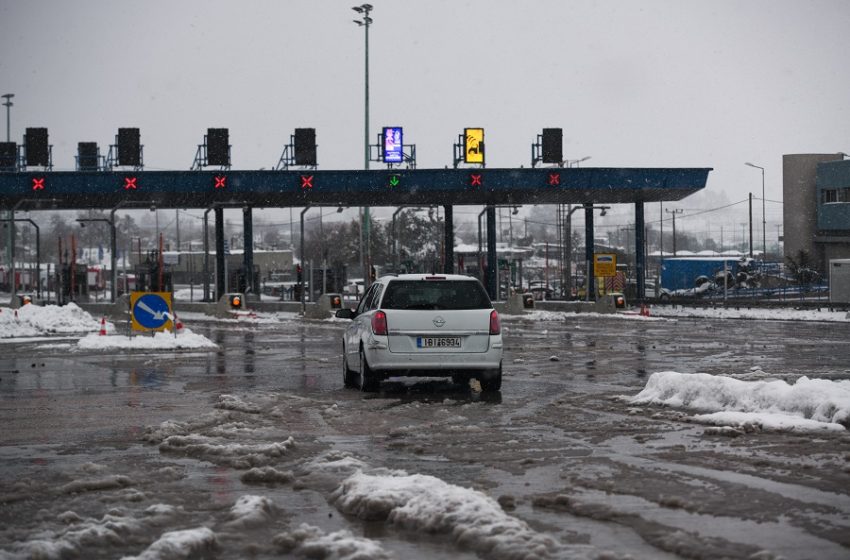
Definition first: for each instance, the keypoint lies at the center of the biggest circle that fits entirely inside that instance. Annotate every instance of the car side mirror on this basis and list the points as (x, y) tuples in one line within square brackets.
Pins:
[(345, 314)]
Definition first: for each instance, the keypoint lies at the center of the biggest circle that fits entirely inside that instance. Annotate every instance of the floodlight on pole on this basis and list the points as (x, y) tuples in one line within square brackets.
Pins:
[(364, 10), (763, 220), (8, 104)]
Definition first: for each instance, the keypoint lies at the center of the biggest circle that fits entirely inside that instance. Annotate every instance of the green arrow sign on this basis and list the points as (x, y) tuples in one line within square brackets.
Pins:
[(395, 180)]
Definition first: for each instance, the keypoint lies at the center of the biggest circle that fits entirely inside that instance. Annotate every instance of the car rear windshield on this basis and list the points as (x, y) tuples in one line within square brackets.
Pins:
[(435, 294)]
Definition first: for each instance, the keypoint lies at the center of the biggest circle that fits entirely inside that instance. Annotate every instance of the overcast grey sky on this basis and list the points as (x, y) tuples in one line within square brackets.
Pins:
[(632, 83)]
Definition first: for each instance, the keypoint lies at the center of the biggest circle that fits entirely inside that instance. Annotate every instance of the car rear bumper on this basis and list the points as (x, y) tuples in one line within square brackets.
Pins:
[(432, 363)]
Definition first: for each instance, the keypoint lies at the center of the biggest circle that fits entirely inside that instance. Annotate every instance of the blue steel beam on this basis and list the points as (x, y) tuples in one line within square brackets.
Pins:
[(202, 189)]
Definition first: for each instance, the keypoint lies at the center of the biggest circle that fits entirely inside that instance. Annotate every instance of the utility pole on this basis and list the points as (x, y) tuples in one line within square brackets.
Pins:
[(674, 212)]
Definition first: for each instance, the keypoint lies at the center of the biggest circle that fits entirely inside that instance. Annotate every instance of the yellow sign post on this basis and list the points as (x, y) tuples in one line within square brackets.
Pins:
[(473, 145), (604, 265), (151, 311)]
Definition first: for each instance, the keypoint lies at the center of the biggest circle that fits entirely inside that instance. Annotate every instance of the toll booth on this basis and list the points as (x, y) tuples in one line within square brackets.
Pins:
[(149, 278), (238, 279), (73, 283), (335, 281)]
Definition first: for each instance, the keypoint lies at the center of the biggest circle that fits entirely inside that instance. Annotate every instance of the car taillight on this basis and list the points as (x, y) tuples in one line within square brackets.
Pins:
[(379, 323), (495, 324)]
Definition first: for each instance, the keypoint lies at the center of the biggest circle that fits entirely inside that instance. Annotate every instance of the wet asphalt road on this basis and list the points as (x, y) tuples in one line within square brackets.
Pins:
[(556, 447)]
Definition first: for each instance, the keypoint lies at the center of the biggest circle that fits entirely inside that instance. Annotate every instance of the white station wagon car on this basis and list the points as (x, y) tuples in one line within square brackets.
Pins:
[(423, 325)]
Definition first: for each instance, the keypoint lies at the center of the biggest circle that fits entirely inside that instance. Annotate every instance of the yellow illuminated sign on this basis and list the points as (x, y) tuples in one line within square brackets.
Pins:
[(151, 311), (473, 145), (604, 265)]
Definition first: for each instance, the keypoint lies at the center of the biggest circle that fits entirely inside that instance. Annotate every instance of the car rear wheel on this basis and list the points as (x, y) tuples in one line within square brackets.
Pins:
[(369, 381), (347, 374), (491, 381)]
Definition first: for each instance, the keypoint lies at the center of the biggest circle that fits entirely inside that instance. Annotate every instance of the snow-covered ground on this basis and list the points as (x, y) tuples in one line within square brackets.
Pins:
[(805, 405), (772, 314), (33, 322)]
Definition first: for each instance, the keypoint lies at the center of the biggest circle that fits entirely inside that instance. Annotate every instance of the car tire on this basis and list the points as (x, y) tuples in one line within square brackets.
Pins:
[(347, 374), (491, 381), (369, 381)]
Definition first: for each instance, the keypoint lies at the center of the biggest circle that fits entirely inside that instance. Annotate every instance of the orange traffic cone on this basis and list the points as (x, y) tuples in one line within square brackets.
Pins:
[(102, 326)]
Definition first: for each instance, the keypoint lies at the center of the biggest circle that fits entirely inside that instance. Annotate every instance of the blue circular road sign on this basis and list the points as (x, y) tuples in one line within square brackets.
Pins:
[(151, 311)]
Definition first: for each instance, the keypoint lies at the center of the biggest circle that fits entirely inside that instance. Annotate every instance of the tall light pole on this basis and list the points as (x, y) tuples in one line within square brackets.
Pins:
[(11, 240), (763, 220), (8, 104), (364, 10)]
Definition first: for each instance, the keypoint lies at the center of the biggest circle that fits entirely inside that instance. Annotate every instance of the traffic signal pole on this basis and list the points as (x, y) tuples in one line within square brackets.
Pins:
[(219, 253)]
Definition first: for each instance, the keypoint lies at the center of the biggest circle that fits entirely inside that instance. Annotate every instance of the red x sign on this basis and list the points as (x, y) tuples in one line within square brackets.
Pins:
[(475, 180), (37, 184), (306, 181), (554, 178), (129, 183), (220, 182)]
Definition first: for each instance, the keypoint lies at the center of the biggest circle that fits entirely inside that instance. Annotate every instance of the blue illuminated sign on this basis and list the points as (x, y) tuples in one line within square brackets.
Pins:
[(393, 148)]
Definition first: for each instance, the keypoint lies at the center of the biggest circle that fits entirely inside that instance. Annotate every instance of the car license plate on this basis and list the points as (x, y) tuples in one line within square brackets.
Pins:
[(438, 342)]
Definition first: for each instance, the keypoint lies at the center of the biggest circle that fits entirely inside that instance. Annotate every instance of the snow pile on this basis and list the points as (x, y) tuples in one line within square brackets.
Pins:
[(236, 455), (159, 341), (308, 541), (425, 503), (35, 320), (112, 529), (785, 314), (179, 544), (803, 405), (249, 511)]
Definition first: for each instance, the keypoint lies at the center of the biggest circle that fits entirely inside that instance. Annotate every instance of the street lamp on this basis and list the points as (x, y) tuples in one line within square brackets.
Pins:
[(37, 250), (365, 22), (10, 251), (11, 220), (763, 221)]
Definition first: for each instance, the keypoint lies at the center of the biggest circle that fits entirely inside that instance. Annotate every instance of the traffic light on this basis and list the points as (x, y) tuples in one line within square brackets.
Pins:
[(87, 156), (619, 301), (236, 301), (129, 147), (335, 301), (298, 273), (218, 146), (8, 155), (553, 140), (305, 146), (37, 149), (372, 273)]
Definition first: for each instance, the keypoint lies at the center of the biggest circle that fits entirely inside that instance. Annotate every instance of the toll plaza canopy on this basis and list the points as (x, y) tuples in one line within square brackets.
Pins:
[(384, 187)]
